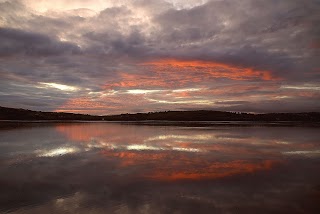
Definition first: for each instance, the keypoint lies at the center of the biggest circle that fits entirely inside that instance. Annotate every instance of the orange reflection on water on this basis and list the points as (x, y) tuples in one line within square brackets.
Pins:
[(170, 166), (215, 170), (173, 153), (126, 137), (94, 131), (79, 133), (128, 158)]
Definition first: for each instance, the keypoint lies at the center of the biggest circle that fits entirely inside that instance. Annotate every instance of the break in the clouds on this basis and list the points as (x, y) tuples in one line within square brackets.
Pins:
[(111, 56)]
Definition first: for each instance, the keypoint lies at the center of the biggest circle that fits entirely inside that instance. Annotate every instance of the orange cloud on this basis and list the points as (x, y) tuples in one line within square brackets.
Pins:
[(137, 80), (213, 69), (315, 44), (179, 73), (82, 105), (102, 103)]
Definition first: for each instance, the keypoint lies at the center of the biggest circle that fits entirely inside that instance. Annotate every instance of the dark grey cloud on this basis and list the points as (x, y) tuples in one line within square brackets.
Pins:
[(271, 106), (268, 35), (18, 42)]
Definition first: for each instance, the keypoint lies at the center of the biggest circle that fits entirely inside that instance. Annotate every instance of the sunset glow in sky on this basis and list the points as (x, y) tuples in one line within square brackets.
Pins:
[(118, 56)]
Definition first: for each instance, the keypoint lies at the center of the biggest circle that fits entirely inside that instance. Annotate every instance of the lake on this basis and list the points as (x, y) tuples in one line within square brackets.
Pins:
[(129, 168)]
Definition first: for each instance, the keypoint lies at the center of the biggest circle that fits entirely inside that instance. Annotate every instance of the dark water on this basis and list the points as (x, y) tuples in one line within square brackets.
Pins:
[(114, 168)]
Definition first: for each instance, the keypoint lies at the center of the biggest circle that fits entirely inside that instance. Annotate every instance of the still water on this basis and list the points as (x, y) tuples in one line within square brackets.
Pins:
[(121, 168)]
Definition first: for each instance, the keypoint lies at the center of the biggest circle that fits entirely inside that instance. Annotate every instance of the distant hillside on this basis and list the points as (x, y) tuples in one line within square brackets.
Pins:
[(202, 115), (23, 114)]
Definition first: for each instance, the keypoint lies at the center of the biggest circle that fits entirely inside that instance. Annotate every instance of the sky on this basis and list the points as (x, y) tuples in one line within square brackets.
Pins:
[(126, 56)]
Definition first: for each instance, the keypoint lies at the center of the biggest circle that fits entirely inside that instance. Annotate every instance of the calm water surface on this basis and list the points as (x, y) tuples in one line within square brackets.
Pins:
[(117, 168)]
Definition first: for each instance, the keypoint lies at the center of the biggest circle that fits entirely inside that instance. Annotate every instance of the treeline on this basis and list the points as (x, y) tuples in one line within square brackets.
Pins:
[(23, 114), (201, 115), (204, 115)]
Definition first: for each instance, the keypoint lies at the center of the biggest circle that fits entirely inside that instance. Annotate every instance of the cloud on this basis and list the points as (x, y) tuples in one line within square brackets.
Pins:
[(17, 42), (98, 46)]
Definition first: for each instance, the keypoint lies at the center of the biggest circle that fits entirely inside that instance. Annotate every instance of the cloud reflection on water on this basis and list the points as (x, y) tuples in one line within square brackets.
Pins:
[(115, 168), (166, 153)]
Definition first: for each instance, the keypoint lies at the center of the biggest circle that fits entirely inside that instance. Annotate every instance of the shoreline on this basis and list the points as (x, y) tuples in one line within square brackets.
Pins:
[(27, 123)]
